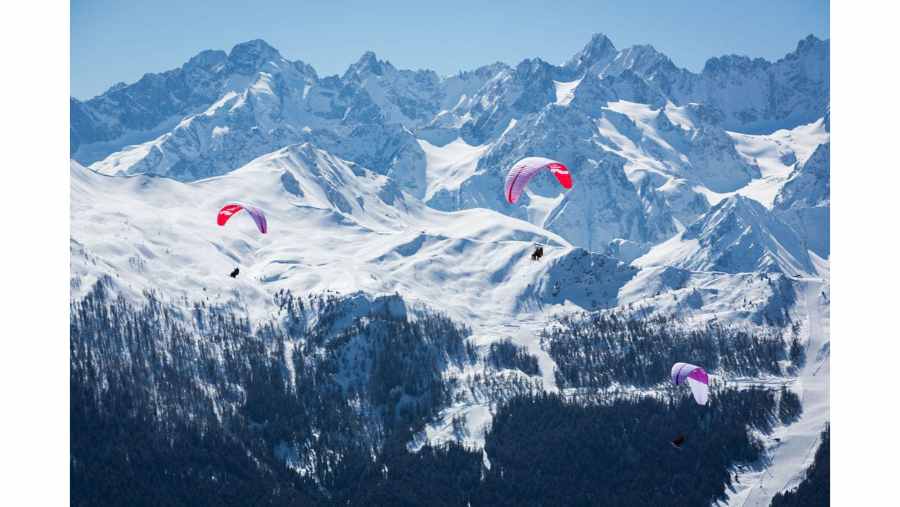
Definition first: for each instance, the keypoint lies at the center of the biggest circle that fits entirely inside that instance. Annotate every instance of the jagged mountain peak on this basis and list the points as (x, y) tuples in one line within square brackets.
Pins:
[(804, 201), (534, 68), (643, 59), (598, 51), (811, 43), (740, 63), (599, 41), (252, 47), (740, 235), (808, 185), (248, 57), (368, 63), (207, 59), (748, 210)]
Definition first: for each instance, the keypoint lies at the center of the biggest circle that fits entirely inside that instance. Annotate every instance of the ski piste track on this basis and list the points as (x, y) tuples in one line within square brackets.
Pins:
[(523, 330), (790, 449), (788, 459)]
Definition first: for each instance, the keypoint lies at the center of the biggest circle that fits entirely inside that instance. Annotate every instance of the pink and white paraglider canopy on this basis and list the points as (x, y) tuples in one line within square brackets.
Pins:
[(229, 210), (527, 168), (695, 377)]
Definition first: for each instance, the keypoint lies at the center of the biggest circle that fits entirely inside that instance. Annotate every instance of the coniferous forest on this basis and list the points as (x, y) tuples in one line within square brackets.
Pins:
[(317, 405), (597, 349), (815, 490)]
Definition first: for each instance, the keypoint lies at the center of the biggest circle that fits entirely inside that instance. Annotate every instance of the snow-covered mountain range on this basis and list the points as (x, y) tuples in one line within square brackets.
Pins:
[(702, 195)]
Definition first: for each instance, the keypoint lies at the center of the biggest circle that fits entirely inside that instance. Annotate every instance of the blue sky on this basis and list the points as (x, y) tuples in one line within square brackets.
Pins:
[(113, 41)]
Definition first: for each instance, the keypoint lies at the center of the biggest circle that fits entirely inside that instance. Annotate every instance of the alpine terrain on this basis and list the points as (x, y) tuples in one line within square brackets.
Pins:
[(390, 340)]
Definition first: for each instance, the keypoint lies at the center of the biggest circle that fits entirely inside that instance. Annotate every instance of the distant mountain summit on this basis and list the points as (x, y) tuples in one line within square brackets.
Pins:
[(785, 93), (646, 139)]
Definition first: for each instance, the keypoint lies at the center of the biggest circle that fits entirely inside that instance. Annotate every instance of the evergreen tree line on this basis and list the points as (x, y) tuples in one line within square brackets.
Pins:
[(495, 387), (172, 407), (815, 489), (545, 450), (316, 406), (789, 406), (597, 350), (506, 354)]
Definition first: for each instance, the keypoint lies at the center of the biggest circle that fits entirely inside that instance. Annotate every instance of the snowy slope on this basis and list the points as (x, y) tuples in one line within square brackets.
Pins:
[(449, 165), (221, 110), (687, 200), (791, 448), (335, 226), (332, 226), (777, 155), (737, 235), (804, 201)]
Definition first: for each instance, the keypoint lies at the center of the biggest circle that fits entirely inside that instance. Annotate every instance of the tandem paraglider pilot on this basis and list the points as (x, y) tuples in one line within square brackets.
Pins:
[(229, 210)]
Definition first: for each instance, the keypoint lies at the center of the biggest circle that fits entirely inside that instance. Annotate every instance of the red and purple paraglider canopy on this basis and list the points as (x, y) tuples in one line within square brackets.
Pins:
[(256, 214), (695, 377), (527, 168)]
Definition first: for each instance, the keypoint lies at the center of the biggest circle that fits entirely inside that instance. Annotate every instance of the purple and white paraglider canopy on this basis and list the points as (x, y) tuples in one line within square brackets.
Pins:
[(695, 377)]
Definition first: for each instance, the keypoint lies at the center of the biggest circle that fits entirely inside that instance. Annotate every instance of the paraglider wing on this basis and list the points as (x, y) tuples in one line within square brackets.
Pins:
[(699, 389), (525, 169), (259, 218), (680, 372), (562, 174), (229, 210), (695, 377)]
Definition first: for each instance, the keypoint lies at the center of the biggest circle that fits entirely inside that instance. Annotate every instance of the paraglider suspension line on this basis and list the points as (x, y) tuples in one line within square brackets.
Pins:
[(511, 186)]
